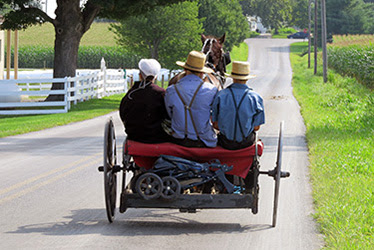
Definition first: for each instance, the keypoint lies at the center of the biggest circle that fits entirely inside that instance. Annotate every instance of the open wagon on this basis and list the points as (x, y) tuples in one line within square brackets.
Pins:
[(211, 178)]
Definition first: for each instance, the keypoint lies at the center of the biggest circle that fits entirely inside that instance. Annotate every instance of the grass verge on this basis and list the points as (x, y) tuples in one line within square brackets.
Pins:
[(13, 125), (339, 116)]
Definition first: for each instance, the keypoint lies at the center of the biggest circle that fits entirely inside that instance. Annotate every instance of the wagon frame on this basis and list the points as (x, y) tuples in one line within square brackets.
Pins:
[(184, 202)]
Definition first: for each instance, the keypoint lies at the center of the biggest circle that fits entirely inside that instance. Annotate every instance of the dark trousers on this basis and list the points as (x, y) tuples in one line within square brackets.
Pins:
[(234, 145), (186, 142)]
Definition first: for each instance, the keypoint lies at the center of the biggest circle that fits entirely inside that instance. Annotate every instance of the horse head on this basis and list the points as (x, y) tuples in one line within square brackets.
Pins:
[(215, 56), (216, 59)]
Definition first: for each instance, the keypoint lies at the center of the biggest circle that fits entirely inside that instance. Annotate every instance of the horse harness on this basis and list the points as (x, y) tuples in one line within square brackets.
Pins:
[(187, 109), (220, 69), (218, 76)]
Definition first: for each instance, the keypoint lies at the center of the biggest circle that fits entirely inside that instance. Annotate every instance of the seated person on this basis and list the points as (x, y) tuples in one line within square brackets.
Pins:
[(142, 109), (238, 111), (188, 103)]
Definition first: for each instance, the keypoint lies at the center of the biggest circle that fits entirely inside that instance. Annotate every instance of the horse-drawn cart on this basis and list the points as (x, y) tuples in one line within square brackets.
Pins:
[(212, 178)]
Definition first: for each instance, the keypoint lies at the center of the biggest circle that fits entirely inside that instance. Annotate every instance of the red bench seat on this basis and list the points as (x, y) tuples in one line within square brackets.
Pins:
[(145, 155)]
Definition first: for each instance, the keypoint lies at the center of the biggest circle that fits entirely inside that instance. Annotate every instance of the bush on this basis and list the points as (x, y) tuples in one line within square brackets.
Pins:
[(89, 57), (253, 34), (286, 31)]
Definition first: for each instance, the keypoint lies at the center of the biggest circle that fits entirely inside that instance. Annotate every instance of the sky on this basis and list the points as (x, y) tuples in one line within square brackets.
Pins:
[(50, 6)]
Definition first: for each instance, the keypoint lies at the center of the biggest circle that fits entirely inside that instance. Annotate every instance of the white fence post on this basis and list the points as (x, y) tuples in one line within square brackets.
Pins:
[(67, 103), (103, 69), (67, 95)]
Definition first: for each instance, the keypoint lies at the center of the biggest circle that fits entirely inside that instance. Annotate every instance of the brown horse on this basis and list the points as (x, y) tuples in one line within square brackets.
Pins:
[(216, 59)]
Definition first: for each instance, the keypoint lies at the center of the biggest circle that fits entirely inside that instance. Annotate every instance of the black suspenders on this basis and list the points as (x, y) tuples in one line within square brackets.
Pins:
[(187, 108), (237, 120)]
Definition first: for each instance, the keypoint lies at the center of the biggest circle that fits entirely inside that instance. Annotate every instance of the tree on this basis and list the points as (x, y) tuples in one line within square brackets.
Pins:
[(71, 22), (248, 7), (369, 27), (273, 13), (349, 16), (299, 13), (224, 16), (166, 33)]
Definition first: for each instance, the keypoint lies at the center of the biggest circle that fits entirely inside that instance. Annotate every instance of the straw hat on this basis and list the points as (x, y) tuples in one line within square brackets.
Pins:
[(195, 62), (240, 71)]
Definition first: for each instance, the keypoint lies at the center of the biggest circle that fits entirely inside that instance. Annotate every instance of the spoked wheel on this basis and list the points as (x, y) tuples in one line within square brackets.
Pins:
[(278, 173), (171, 188), (149, 186), (110, 176)]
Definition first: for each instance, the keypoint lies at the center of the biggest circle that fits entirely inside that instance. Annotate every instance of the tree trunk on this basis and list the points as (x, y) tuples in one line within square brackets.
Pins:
[(70, 25), (276, 31)]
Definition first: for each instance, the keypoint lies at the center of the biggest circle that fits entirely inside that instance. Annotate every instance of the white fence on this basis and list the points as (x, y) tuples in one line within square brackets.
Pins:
[(33, 92)]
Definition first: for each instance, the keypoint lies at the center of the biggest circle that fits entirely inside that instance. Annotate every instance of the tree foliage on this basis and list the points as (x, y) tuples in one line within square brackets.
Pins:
[(342, 16), (299, 13), (164, 33), (349, 17), (72, 20), (224, 16), (273, 13)]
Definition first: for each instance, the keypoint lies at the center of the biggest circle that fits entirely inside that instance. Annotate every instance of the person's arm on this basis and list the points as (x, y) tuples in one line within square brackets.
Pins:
[(168, 101), (215, 111), (259, 117), (122, 111)]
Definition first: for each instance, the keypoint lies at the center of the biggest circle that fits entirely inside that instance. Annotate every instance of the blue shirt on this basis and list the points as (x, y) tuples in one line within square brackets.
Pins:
[(201, 109), (251, 111)]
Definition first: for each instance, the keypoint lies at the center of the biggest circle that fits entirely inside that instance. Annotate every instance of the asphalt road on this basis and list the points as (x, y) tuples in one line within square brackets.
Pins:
[(51, 195)]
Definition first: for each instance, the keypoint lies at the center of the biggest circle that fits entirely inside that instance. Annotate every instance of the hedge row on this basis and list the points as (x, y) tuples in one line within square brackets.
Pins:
[(89, 57), (355, 60)]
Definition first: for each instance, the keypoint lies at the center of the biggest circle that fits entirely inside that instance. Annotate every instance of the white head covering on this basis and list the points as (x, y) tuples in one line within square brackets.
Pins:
[(149, 67)]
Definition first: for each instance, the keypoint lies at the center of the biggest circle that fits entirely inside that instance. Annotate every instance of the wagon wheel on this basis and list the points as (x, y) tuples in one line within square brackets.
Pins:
[(110, 176), (171, 188), (278, 173), (126, 164), (149, 186)]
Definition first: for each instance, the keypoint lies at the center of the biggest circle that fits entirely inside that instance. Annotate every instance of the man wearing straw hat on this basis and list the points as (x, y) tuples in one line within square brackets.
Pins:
[(189, 102), (238, 111)]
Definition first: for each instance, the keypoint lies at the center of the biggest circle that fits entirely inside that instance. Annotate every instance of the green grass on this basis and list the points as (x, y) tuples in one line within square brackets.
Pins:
[(97, 35), (13, 125), (339, 116), (238, 53)]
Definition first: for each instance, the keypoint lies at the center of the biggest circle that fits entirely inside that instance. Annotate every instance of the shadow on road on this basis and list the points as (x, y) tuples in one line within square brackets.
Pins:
[(135, 223), (290, 143)]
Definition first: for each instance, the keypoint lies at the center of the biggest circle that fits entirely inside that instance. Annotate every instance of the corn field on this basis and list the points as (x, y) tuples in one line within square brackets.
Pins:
[(353, 55), (89, 57)]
